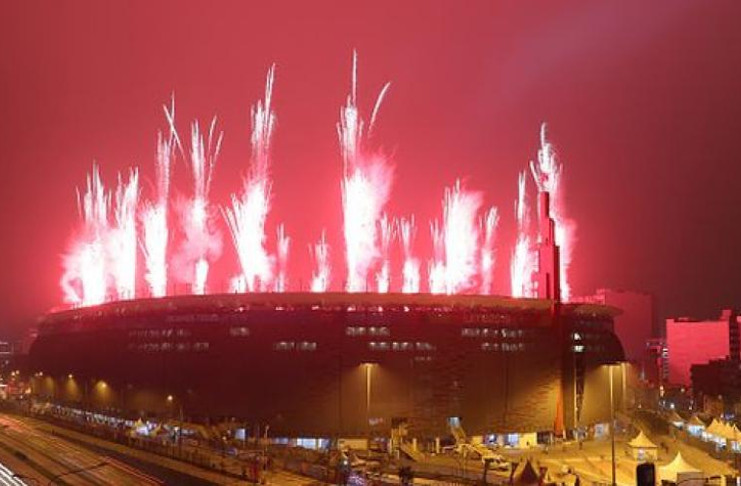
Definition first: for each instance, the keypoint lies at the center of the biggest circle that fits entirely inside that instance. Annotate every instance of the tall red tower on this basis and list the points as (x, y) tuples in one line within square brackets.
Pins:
[(547, 276)]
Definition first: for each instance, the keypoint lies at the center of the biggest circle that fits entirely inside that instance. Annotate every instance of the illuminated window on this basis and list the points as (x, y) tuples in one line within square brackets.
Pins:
[(355, 331), (284, 346), (490, 347), (403, 346), (379, 331), (424, 346), (239, 331), (202, 346), (378, 346), (307, 346)]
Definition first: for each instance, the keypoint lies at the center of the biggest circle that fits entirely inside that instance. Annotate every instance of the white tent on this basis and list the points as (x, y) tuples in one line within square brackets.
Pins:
[(676, 419), (721, 432), (642, 449), (695, 426), (679, 470)]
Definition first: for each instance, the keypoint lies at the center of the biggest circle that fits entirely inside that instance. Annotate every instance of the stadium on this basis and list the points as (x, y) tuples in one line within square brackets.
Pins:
[(336, 364)]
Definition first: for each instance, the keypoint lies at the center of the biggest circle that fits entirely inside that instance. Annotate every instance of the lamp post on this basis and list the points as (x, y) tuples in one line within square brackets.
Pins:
[(610, 367), (171, 401), (368, 376), (612, 424), (368, 382)]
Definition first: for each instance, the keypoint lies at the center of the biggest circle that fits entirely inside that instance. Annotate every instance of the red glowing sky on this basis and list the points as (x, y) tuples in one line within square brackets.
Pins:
[(643, 103)]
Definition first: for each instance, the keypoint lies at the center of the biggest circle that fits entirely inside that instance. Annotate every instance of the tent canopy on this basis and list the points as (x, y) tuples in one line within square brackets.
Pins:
[(525, 473), (641, 442), (677, 466), (723, 430), (674, 417), (694, 421)]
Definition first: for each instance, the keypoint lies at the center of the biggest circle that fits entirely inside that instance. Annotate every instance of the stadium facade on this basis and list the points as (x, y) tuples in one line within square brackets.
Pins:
[(336, 364)]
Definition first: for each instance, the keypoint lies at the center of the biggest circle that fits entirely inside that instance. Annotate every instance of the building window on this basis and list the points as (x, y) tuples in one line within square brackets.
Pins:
[(239, 331), (378, 346), (404, 346), (307, 346), (424, 346), (490, 346), (284, 346), (202, 346)]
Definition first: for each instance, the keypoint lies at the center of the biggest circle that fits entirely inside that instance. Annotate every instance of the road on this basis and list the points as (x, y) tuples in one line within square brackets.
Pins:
[(39, 453), (45, 459)]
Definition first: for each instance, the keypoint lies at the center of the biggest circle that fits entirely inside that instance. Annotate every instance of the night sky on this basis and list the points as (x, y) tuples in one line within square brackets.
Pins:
[(643, 102)]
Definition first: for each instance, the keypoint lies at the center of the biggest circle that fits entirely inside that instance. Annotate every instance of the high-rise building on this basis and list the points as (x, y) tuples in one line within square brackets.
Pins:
[(656, 368), (635, 324), (718, 380), (693, 341)]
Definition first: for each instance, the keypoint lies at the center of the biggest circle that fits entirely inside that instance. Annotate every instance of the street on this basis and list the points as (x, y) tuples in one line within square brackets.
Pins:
[(35, 452)]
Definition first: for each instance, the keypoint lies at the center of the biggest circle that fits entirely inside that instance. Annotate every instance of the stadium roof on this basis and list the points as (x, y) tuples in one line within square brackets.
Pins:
[(331, 300)]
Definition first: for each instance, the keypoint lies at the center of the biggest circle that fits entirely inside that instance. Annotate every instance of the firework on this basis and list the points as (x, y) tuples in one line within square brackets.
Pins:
[(410, 268), (320, 254), (366, 185), (249, 210)]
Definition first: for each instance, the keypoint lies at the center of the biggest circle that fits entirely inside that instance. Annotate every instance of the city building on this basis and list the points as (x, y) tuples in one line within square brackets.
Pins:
[(636, 323), (694, 341), (717, 380), (656, 366)]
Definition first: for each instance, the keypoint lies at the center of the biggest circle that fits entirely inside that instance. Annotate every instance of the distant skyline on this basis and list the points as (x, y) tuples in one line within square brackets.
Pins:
[(642, 102)]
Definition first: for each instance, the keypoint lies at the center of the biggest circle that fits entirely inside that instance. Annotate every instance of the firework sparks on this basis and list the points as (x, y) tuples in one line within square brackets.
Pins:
[(154, 221), (101, 262), (366, 185), (122, 237), (383, 276), (488, 226), (461, 238), (202, 242), (247, 215), (320, 254), (523, 263), (436, 266), (284, 242), (84, 279), (410, 268), (547, 173)]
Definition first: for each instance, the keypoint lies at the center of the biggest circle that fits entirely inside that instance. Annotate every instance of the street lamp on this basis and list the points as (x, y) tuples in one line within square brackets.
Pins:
[(610, 367), (368, 380), (170, 402)]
